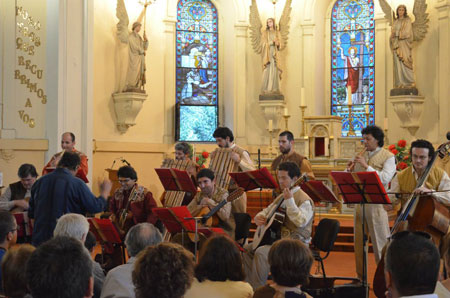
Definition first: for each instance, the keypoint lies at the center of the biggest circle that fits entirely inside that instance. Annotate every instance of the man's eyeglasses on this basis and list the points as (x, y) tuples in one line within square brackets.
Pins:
[(402, 234)]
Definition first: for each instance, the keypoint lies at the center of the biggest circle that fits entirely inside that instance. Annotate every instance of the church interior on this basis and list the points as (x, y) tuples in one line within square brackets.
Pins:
[(322, 69)]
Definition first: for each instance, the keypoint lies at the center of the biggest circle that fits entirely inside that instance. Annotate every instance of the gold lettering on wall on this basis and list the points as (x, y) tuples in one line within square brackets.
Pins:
[(28, 103)]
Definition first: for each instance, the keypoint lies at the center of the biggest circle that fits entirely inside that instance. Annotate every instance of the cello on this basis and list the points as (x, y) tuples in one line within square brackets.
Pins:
[(421, 213)]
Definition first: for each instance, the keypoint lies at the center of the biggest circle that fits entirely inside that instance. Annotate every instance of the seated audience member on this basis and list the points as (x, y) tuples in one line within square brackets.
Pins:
[(14, 267), (60, 268), (8, 235), (219, 272), (17, 194), (118, 282), (60, 192), (443, 286), (163, 271), (99, 274), (412, 265), (290, 263), (76, 226)]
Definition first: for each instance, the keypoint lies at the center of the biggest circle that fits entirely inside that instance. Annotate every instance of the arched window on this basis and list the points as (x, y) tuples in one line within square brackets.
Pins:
[(353, 64), (196, 70)]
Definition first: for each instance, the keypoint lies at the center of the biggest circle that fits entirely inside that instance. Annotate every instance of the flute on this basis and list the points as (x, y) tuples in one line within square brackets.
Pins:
[(351, 167)]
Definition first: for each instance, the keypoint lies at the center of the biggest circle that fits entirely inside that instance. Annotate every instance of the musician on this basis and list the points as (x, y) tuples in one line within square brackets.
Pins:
[(139, 210), (68, 145), (210, 196), (286, 145), (405, 182), (15, 194), (297, 225), (377, 224), (183, 152), (60, 192), (225, 139)]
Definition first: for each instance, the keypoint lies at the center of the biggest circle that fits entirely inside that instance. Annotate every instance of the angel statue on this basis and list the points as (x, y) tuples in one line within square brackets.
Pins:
[(403, 34), (135, 79), (268, 42)]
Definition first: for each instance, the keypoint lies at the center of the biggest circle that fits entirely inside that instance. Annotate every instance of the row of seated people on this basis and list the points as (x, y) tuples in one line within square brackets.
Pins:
[(62, 267)]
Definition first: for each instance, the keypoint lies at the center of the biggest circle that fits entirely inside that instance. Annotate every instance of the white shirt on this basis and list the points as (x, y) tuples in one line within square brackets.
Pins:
[(246, 163), (441, 197), (388, 171), (5, 199), (421, 296), (118, 282)]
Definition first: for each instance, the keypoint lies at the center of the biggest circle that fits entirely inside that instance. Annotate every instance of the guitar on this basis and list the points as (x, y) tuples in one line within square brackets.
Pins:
[(271, 231), (209, 216)]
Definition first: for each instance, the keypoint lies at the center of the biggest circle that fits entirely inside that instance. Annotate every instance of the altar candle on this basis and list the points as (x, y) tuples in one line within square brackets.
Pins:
[(349, 95), (385, 123), (270, 125), (302, 97), (286, 112), (367, 109)]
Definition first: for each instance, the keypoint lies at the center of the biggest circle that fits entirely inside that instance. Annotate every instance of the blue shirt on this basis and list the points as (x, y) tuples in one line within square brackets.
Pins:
[(2, 254), (56, 194)]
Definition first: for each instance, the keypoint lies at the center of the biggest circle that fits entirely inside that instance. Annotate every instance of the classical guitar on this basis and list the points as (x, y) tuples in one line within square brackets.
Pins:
[(270, 232), (209, 216)]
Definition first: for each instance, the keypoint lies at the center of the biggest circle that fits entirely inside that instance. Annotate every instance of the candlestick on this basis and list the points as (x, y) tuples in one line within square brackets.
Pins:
[(270, 125), (351, 129), (285, 112), (303, 133), (385, 124)]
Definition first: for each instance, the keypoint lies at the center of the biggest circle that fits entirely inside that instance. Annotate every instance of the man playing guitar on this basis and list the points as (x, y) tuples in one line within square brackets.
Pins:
[(299, 209), (210, 196)]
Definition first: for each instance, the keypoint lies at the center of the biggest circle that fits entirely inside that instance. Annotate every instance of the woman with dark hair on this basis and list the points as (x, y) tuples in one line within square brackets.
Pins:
[(290, 263), (164, 271), (219, 273)]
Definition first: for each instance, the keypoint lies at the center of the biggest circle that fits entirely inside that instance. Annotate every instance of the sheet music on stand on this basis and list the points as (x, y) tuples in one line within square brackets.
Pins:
[(176, 180), (361, 188)]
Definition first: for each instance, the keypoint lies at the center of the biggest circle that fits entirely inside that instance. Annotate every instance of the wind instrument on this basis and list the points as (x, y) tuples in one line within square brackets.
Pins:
[(351, 167)]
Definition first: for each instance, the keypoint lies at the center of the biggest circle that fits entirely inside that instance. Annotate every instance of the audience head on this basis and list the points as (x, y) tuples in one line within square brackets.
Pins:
[(14, 266), (72, 225), (27, 174), (8, 229), (67, 141), (412, 264), (285, 141), (182, 151), (373, 137), (127, 177), (421, 153), (165, 271), (224, 137), (290, 262), (288, 172), (90, 241), (70, 161), (206, 181), (220, 260), (141, 236), (60, 268)]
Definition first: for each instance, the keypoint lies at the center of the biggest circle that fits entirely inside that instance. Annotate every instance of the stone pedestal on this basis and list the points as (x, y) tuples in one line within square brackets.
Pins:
[(127, 106), (273, 110), (409, 109)]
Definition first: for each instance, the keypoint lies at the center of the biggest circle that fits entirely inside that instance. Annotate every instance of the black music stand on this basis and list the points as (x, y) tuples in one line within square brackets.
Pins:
[(361, 188)]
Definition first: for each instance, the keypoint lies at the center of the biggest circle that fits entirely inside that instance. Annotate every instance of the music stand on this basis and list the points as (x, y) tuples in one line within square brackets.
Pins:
[(319, 192), (176, 180), (106, 233), (254, 179), (361, 188)]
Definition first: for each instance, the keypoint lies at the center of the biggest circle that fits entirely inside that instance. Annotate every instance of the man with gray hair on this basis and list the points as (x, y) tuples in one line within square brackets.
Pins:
[(76, 226), (72, 225), (118, 282)]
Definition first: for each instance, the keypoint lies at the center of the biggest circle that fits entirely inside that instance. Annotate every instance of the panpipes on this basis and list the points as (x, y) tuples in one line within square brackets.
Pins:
[(222, 164), (175, 198)]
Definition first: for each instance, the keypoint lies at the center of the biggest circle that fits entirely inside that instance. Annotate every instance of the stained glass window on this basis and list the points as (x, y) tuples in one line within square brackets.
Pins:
[(353, 64), (196, 70)]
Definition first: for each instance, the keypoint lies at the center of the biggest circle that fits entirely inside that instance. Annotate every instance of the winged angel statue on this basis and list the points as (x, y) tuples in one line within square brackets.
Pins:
[(135, 79), (268, 42), (403, 34)]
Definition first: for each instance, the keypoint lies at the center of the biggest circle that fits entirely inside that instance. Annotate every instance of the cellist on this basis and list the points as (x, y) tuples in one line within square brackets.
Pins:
[(421, 153)]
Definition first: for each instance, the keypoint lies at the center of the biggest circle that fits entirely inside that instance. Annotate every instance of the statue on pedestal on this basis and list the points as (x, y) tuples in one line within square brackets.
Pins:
[(137, 45), (268, 42), (404, 33)]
